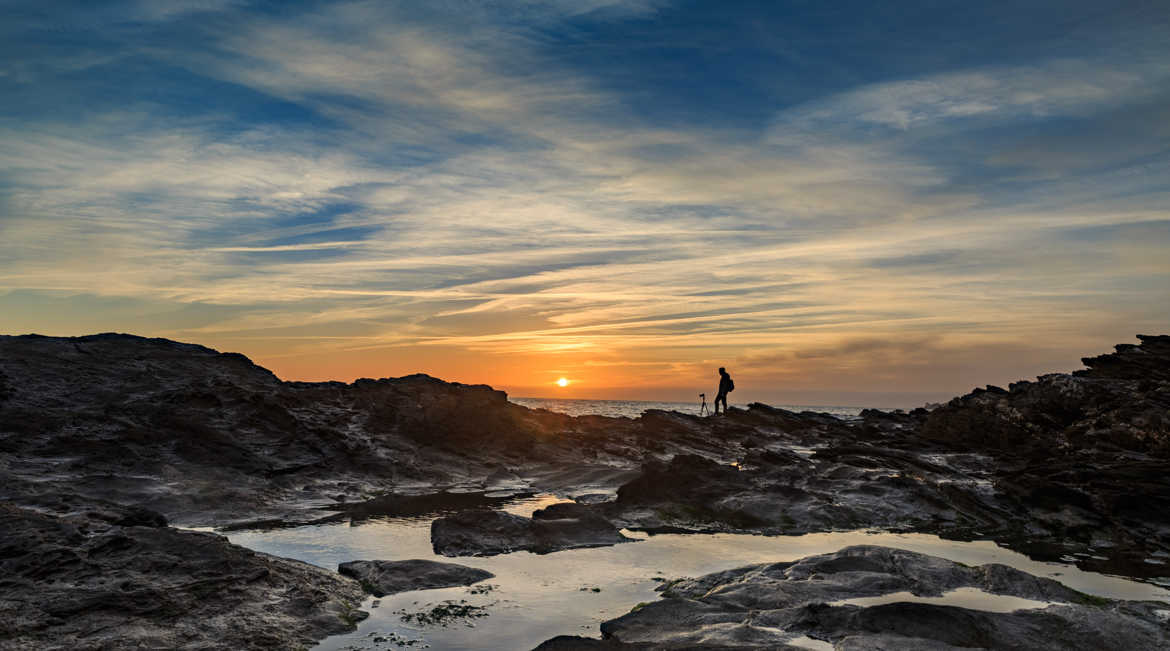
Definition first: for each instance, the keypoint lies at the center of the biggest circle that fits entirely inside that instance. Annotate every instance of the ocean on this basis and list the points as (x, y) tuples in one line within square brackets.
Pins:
[(634, 408)]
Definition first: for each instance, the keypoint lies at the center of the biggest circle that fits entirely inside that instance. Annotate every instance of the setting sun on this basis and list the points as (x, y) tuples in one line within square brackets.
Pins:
[(562, 382)]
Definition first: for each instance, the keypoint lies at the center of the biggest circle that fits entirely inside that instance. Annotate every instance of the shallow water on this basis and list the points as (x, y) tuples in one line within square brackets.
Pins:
[(535, 597), (968, 597)]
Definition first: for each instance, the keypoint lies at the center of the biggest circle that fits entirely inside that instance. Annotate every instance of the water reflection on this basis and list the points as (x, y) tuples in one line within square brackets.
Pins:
[(536, 597), (966, 597), (428, 505)]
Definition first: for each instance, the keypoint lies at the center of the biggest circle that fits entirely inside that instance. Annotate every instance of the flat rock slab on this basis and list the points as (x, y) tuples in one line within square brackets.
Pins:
[(781, 605), (381, 578), (486, 533)]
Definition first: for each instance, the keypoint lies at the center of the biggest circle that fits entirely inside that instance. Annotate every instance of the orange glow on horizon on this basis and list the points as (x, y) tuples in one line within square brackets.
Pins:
[(822, 368)]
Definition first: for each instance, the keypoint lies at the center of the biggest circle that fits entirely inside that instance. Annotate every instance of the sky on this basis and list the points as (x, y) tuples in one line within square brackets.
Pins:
[(844, 203)]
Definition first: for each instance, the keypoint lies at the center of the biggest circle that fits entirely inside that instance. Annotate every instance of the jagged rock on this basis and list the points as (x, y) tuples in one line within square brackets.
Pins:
[(1121, 401), (773, 605), (486, 533), (70, 582), (126, 415), (686, 478), (119, 418), (381, 578), (843, 487), (120, 431), (1146, 361), (689, 492)]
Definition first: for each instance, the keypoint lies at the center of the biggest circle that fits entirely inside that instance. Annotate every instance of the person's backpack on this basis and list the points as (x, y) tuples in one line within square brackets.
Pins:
[(730, 384)]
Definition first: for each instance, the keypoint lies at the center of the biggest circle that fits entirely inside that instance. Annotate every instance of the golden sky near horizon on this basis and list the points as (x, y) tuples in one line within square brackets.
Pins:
[(626, 195)]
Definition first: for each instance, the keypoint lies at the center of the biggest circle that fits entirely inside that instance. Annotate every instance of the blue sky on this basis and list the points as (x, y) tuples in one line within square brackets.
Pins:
[(841, 202)]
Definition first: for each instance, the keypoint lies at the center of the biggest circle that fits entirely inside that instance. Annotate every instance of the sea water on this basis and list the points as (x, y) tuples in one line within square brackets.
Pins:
[(634, 408), (535, 597)]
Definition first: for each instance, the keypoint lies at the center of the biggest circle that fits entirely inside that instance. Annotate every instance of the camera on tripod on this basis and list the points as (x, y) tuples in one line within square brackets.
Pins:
[(703, 411)]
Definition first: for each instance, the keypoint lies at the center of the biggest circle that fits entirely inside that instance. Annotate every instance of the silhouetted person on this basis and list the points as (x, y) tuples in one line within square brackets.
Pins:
[(725, 386)]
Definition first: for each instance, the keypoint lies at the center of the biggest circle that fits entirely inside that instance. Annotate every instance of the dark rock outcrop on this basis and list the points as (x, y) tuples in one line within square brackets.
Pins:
[(842, 485), (686, 477), (486, 533), (1052, 468), (381, 578), (210, 438), (687, 493), (773, 605), (76, 581), (127, 433), (1121, 402), (1145, 362)]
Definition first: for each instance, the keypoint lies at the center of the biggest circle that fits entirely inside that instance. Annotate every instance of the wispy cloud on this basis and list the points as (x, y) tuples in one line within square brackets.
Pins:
[(383, 177), (1055, 88)]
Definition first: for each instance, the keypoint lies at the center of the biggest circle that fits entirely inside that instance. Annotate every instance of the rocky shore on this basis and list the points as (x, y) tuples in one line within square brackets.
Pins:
[(871, 598), (112, 578), (108, 442)]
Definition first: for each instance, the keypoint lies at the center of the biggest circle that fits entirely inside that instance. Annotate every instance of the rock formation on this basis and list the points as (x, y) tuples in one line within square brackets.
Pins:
[(381, 578), (778, 605), (112, 578), (486, 533), (112, 437)]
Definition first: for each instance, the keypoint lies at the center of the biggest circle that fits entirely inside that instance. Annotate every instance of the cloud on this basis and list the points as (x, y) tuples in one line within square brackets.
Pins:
[(1054, 88), (448, 186), (174, 9)]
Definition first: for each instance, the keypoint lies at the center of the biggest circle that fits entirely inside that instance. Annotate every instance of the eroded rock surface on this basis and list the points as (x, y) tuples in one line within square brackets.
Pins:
[(1050, 468), (134, 433), (210, 438), (1120, 403), (381, 578), (79, 581), (203, 436), (485, 533), (773, 605)]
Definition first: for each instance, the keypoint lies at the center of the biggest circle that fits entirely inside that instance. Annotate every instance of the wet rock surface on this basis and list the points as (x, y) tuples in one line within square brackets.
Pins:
[(80, 581), (777, 605), (1049, 468), (485, 533), (204, 437), (208, 438), (134, 434), (381, 578)]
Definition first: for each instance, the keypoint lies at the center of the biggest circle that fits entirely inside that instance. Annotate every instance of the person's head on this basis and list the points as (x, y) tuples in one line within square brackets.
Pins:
[(722, 371)]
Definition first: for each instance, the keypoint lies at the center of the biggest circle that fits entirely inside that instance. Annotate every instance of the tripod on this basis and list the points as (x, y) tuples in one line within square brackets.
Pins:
[(703, 411)]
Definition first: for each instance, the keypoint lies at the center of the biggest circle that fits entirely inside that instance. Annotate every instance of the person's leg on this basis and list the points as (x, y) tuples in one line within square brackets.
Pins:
[(718, 398)]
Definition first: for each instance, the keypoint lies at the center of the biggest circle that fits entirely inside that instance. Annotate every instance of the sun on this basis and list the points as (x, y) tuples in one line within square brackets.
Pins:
[(562, 382)]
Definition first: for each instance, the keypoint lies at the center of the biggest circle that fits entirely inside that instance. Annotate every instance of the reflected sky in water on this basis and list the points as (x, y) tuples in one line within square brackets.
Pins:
[(535, 597)]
